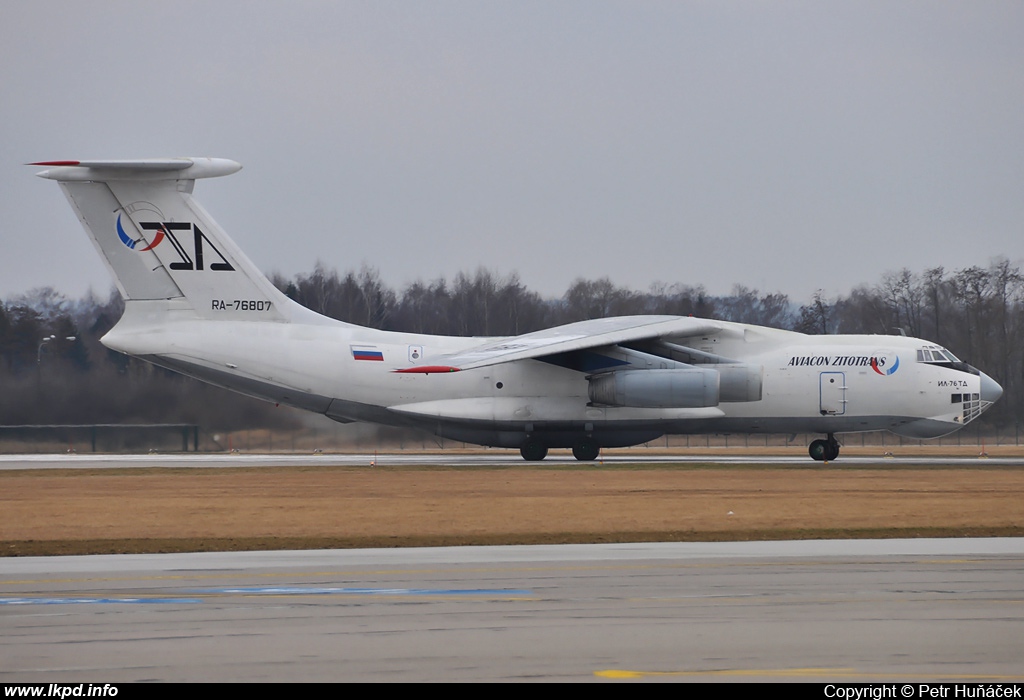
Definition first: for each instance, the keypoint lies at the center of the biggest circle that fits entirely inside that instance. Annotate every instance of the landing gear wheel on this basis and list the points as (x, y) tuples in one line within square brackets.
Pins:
[(586, 450), (824, 450), (533, 450), (818, 450)]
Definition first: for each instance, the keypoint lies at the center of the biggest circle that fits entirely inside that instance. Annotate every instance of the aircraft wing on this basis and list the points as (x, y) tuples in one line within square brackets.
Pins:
[(582, 335)]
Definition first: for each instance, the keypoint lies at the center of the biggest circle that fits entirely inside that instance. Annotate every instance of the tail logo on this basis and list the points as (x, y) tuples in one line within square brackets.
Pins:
[(189, 257), (131, 243)]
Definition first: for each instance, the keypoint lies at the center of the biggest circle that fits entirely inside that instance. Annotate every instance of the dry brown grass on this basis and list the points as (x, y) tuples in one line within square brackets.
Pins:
[(78, 511)]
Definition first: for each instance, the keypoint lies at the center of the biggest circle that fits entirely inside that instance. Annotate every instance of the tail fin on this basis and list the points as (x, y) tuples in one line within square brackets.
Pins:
[(160, 244)]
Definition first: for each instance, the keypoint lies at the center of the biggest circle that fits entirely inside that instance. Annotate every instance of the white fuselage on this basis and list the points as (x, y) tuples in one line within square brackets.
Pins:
[(825, 384)]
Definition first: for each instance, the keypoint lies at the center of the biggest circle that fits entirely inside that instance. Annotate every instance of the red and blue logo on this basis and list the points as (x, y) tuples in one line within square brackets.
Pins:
[(131, 243), (878, 364)]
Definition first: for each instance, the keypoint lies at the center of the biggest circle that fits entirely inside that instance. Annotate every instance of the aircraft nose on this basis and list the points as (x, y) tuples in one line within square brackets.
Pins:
[(990, 389)]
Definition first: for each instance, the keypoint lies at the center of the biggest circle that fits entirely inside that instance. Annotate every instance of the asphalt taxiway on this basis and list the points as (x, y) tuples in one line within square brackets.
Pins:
[(917, 611)]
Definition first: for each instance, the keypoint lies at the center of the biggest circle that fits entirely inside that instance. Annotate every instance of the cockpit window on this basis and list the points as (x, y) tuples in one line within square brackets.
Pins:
[(933, 353)]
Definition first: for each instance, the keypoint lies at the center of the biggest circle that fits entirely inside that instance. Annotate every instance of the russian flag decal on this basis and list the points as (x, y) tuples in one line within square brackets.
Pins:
[(366, 352)]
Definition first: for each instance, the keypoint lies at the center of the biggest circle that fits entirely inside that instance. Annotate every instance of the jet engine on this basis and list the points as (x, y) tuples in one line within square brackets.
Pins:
[(693, 387), (656, 388)]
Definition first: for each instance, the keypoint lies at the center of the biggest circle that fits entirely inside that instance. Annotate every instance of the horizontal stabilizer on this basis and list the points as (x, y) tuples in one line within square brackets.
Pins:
[(146, 169)]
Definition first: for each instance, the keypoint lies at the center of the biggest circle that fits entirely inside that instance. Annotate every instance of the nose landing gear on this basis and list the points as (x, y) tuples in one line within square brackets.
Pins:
[(824, 450)]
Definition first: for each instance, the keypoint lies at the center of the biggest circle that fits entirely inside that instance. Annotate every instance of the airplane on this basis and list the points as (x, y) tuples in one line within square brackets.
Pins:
[(196, 304)]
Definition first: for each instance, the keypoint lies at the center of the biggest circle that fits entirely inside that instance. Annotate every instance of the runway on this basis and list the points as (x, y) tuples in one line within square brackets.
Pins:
[(498, 458), (918, 611)]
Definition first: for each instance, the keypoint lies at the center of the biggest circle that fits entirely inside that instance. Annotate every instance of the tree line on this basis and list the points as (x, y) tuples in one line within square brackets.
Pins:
[(53, 369)]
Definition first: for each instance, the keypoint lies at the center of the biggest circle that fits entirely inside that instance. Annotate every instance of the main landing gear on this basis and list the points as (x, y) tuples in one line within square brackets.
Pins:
[(586, 449), (824, 450), (533, 450)]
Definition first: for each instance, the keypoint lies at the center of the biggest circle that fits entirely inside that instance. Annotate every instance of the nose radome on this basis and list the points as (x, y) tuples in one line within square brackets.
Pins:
[(990, 389)]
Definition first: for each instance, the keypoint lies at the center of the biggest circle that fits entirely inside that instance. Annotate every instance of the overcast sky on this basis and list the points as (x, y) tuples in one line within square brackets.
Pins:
[(787, 146)]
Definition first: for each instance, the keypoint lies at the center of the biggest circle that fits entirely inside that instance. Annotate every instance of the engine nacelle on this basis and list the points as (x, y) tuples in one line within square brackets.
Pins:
[(656, 388), (739, 383)]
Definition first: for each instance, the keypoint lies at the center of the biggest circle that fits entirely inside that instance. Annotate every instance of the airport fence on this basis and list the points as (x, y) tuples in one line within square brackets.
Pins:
[(100, 437)]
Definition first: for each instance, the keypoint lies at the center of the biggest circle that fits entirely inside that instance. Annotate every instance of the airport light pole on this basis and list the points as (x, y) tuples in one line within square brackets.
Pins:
[(44, 341), (39, 353)]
